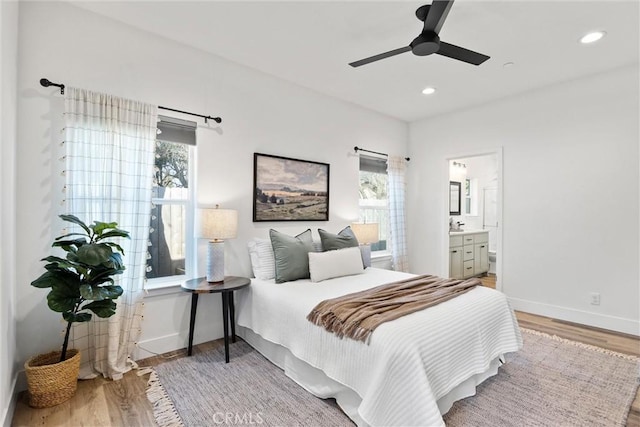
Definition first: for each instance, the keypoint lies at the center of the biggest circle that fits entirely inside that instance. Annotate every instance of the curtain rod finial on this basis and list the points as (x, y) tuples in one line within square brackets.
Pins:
[(47, 83)]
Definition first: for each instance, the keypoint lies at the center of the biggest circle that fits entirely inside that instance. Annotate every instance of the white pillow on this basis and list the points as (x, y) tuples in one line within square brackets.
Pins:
[(262, 259), (338, 263)]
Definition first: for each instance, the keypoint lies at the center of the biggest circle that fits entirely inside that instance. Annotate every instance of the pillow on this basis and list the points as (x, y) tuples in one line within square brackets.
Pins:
[(337, 263), (344, 239), (262, 259), (366, 255), (291, 255)]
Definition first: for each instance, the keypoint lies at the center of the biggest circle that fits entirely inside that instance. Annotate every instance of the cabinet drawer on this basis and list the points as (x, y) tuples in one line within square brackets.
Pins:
[(481, 238), (468, 252), (467, 268), (455, 262), (468, 239), (455, 241)]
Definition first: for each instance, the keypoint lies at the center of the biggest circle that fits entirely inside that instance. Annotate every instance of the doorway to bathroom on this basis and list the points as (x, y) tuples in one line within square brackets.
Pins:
[(475, 217)]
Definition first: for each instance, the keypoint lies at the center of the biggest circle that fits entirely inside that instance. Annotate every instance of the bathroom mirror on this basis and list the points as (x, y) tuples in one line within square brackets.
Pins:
[(454, 197)]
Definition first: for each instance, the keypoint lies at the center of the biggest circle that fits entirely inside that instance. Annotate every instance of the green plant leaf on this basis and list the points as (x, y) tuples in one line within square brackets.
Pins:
[(71, 234), (102, 279), (115, 262), (104, 308), (115, 245), (74, 219), (114, 233), (99, 227), (99, 293), (54, 267), (75, 242), (46, 280), (76, 317), (62, 278), (71, 256), (61, 262), (63, 298), (94, 254)]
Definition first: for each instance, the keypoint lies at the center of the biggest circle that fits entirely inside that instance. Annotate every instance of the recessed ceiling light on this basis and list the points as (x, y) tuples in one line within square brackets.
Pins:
[(429, 90), (592, 37), (508, 64)]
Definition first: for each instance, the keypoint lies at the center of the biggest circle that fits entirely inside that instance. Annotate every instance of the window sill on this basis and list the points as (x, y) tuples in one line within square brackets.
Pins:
[(379, 255), (159, 287)]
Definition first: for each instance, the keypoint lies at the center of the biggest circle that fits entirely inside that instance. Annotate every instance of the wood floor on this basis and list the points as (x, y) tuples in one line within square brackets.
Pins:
[(101, 402)]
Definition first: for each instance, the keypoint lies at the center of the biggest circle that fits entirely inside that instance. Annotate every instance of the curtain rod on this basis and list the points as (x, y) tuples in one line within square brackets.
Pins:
[(47, 83), (356, 149)]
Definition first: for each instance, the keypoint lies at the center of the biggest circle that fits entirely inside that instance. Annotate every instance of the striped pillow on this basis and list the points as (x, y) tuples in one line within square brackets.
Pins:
[(262, 259)]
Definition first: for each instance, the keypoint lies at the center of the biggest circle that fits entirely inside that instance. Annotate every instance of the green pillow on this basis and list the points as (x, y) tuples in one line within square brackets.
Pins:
[(291, 255), (344, 239)]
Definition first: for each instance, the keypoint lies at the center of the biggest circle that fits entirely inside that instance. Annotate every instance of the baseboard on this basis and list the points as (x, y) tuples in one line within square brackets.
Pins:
[(613, 323), (164, 344), (7, 416)]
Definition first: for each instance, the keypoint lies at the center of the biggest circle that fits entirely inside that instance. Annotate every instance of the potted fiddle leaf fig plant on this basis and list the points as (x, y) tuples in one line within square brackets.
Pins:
[(80, 283)]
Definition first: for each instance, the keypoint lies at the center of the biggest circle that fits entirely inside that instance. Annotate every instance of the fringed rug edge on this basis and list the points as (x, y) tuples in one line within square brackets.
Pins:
[(582, 345), (164, 411)]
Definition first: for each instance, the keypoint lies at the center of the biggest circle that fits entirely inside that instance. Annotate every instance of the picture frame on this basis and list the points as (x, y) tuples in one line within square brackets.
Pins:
[(287, 189), (454, 197)]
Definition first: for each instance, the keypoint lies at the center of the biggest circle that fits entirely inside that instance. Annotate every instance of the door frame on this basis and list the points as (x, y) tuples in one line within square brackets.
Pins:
[(498, 152)]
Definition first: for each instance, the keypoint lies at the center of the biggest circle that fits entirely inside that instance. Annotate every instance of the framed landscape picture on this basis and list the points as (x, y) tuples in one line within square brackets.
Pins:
[(287, 189)]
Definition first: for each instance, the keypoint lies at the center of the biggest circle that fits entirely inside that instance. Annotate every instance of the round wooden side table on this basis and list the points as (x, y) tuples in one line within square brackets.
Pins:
[(226, 288)]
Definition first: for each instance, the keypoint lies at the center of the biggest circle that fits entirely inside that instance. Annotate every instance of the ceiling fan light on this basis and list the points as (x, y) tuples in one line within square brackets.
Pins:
[(592, 37), (429, 90)]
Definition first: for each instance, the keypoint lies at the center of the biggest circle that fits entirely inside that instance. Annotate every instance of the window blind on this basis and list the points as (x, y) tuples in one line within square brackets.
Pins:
[(177, 130)]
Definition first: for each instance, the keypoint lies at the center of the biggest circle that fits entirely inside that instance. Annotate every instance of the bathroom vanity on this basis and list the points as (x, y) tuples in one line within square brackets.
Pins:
[(468, 253)]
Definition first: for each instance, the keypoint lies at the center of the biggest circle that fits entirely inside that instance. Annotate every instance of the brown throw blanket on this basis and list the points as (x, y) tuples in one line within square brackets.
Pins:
[(356, 315)]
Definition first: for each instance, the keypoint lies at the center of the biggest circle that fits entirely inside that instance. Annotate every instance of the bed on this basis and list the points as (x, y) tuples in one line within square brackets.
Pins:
[(412, 370)]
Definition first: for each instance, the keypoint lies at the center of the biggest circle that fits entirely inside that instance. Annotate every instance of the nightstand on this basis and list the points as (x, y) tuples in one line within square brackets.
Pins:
[(226, 288)]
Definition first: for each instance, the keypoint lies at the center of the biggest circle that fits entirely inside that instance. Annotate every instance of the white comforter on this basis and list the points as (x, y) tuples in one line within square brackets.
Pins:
[(409, 363)]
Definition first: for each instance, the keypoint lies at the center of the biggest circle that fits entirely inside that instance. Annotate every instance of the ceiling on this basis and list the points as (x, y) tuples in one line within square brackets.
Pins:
[(311, 44)]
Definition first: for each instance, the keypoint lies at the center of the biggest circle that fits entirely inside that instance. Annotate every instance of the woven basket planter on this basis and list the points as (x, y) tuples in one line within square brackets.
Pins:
[(52, 382)]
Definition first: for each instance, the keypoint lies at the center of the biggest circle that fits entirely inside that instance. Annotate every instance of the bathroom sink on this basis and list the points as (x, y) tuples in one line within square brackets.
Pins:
[(457, 232)]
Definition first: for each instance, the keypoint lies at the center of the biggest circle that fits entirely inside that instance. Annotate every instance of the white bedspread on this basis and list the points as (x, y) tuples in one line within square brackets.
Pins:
[(409, 363)]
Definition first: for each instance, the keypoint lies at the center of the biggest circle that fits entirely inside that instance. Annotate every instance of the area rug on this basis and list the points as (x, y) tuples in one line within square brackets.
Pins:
[(553, 382), (550, 382)]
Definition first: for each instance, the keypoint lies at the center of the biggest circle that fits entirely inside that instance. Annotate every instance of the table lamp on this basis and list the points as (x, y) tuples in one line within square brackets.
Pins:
[(217, 224), (366, 233)]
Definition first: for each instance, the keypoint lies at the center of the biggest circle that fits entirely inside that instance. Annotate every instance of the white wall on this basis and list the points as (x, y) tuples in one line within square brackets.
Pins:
[(8, 83), (261, 113), (570, 202)]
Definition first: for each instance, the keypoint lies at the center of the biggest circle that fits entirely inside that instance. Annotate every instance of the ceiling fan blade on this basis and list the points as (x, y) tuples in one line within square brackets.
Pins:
[(437, 14), (380, 56), (461, 54)]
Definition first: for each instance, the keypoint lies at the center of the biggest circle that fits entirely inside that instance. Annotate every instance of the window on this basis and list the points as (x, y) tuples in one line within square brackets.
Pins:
[(171, 243), (471, 196), (374, 200)]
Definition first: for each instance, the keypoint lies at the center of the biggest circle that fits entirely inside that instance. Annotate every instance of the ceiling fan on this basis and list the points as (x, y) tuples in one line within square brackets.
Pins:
[(428, 41)]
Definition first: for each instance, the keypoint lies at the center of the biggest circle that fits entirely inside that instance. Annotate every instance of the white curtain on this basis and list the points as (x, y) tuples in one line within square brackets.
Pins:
[(396, 168), (110, 145)]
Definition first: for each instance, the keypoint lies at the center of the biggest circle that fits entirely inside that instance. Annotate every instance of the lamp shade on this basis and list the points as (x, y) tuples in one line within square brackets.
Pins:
[(365, 233), (218, 224)]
